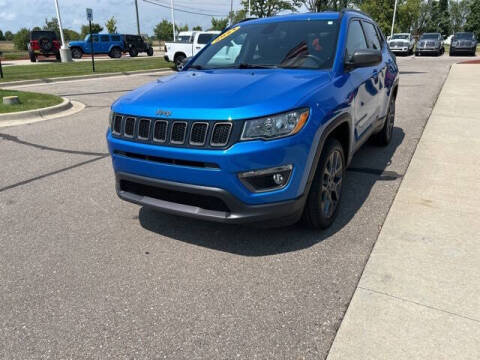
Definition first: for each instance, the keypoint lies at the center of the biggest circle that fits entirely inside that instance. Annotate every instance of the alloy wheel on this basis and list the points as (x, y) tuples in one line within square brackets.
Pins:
[(331, 184)]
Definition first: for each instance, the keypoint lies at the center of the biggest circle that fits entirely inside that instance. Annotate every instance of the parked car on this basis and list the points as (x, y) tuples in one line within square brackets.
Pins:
[(111, 44), (463, 43), (44, 43), (402, 43), (135, 44), (430, 43), (265, 135), (188, 44)]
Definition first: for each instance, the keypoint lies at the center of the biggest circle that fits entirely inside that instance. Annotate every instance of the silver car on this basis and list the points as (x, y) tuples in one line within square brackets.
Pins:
[(430, 43)]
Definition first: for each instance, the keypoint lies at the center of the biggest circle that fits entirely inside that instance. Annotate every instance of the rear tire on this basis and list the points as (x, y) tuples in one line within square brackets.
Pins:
[(133, 52), (324, 197), (115, 53), (179, 62), (384, 137), (77, 53)]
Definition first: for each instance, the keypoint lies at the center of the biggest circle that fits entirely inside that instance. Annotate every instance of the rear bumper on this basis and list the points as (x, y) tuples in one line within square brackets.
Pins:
[(141, 190)]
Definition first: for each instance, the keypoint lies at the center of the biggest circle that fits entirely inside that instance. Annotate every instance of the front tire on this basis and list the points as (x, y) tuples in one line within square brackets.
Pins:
[(115, 53), (323, 201), (150, 51)]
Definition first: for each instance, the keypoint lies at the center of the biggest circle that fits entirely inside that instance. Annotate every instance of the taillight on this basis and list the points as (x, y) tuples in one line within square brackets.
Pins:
[(34, 45)]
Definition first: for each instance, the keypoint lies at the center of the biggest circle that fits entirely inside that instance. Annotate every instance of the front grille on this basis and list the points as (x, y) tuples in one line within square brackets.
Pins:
[(160, 131), (198, 134), (179, 197), (430, 44), (178, 133), (221, 133), (144, 129), (129, 126)]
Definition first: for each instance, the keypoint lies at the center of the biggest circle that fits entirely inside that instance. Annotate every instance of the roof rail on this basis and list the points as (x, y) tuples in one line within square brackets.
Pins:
[(246, 19), (355, 11)]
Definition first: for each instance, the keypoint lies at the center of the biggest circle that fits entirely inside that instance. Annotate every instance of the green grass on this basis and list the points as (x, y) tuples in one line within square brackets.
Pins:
[(52, 70), (28, 101)]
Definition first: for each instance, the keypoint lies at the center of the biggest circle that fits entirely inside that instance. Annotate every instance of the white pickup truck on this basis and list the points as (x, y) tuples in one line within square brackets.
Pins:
[(188, 44)]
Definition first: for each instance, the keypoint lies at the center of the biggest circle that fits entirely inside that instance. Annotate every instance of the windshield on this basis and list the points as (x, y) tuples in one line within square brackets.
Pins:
[(401, 37), (429, 36), (288, 44), (463, 36)]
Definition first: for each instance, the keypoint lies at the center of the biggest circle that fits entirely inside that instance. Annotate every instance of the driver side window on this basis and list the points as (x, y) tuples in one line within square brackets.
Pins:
[(355, 38)]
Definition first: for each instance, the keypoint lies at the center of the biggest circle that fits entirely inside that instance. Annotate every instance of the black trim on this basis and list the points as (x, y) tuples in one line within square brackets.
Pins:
[(239, 212)]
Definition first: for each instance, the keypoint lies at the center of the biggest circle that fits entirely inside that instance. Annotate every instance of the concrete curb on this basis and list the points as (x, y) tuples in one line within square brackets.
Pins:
[(79, 77), (31, 114)]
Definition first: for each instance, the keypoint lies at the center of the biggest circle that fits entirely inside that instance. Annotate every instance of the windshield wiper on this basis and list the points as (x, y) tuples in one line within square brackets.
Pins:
[(257, 66)]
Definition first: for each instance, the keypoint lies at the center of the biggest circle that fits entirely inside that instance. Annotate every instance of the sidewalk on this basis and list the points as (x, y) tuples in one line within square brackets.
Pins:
[(419, 295)]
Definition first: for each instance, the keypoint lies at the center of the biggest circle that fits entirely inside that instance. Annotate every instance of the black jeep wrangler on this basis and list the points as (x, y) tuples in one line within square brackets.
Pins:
[(135, 44), (43, 42)]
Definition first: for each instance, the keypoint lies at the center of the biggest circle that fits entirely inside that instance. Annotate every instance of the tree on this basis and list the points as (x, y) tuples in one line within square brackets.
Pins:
[(111, 25), (197, 28), (265, 8), (381, 11), (458, 14), (444, 17), (71, 35), (36, 28), (237, 16), (52, 25), (408, 14), (21, 39), (219, 24), (2, 38), (473, 18), (320, 5), (181, 28), (8, 35), (164, 31), (96, 28)]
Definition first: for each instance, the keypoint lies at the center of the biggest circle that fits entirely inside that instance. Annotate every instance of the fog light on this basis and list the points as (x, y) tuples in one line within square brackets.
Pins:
[(266, 179)]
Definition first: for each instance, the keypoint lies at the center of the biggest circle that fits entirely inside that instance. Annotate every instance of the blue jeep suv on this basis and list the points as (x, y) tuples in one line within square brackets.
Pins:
[(261, 124)]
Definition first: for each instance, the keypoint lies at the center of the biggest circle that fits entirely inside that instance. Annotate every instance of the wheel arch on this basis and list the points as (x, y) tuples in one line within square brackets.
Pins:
[(177, 54)]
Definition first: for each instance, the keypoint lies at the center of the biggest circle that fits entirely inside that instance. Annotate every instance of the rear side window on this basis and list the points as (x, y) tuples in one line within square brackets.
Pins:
[(205, 38), (95, 38), (372, 36), (356, 38), (116, 38), (105, 38)]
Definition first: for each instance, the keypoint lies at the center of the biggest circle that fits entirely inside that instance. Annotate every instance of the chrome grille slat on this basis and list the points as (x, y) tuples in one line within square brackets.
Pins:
[(221, 133), (160, 131), (179, 129), (198, 133), (144, 129), (129, 127)]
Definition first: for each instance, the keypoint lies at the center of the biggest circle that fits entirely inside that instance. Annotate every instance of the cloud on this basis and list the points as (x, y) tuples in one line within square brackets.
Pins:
[(7, 16)]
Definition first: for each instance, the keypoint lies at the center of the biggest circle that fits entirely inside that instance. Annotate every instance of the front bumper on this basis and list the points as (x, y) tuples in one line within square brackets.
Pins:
[(462, 49), (206, 203), (399, 50), (428, 50)]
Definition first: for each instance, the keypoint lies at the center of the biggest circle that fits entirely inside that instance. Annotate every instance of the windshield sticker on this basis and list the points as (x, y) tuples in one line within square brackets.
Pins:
[(225, 35)]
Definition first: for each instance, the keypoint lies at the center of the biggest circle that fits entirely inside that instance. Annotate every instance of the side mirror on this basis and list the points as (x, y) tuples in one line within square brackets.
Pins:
[(364, 58)]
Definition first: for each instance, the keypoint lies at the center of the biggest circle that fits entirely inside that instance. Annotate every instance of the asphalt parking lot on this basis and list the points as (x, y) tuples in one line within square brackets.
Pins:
[(85, 275)]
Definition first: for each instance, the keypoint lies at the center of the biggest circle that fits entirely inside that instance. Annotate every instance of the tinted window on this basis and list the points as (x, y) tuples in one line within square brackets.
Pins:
[(205, 38), (372, 36), (285, 44), (105, 38), (95, 38), (429, 36), (116, 38), (355, 39)]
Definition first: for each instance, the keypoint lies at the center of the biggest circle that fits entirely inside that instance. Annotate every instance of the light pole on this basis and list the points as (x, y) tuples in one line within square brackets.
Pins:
[(65, 53), (231, 12), (173, 20), (138, 21), (249, 8), (393, 20)]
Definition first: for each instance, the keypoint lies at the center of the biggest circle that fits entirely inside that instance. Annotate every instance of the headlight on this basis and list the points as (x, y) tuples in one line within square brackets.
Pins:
[(454, 43), (275, 126)]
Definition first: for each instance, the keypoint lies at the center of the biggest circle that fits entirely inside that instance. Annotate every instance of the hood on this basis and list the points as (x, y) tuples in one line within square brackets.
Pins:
[(223, 94), (76, 43)]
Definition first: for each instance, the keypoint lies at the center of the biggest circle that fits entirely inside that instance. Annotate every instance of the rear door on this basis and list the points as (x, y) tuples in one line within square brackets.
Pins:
[(363, 81), (104, 43), (97, 48)]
